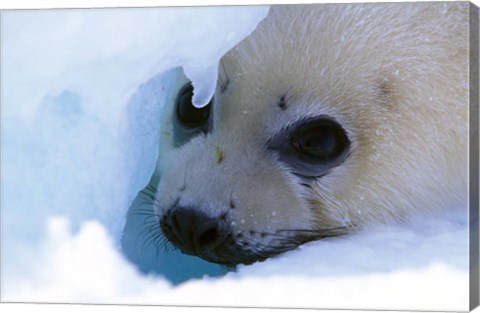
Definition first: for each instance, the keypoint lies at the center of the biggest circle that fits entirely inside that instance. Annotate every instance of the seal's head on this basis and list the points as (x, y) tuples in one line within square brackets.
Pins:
[(323, 119)]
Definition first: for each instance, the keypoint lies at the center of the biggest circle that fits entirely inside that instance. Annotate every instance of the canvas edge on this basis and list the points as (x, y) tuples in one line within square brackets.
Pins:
[(474, 158)]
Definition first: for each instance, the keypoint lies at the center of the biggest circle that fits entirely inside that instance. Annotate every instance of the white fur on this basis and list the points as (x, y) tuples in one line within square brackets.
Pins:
[(394, 75)]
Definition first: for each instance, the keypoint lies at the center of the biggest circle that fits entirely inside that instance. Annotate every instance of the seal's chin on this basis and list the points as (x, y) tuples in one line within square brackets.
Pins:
[(215, 239), (236, 249), (232, 252), (218, 243)]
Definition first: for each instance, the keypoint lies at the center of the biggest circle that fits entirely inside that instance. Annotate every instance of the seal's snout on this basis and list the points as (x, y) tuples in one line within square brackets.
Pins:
[(193, 231)]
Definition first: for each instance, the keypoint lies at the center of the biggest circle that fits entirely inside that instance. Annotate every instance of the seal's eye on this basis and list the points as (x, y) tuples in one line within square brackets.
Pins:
[(322, 139), (189, 115), (311, 147)]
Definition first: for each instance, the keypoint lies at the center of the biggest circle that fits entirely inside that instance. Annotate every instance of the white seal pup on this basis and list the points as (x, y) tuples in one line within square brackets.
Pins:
[(326, 118)]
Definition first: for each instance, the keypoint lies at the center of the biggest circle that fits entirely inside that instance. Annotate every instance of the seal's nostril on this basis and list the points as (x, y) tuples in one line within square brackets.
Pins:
[(208, 237), (175, 224), (194, 231)]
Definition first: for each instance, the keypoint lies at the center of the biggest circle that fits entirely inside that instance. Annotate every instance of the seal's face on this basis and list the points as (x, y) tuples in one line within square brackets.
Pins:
[(238, 193), (303, 139)]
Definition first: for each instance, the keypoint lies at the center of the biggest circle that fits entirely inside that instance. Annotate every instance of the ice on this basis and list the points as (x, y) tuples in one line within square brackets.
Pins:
[(204, 80), (81, 97), (68, 104), (82, 92)]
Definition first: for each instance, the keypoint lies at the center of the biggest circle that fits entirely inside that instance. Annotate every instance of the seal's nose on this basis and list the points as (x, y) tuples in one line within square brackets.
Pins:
[(194, 231)]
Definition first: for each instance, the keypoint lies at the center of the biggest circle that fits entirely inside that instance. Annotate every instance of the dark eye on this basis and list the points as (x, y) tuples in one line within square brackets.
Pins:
[(321, 139), (312, 146), (187, 114)]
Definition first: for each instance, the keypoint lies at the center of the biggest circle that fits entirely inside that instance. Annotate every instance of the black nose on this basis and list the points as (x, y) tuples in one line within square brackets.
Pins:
[(194, 231)]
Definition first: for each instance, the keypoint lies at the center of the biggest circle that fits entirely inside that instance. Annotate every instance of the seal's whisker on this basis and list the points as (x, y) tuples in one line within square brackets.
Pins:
[(146, 193), (146, 213), (157, 239), (150, 201), (316, 231), (149, 230), (169, 195), (151, 188), (223, 83), (148, 241), (185, 177), (164, 244), (281, 243), (143, 210), (159, 243), (271, 249), (268, 251)]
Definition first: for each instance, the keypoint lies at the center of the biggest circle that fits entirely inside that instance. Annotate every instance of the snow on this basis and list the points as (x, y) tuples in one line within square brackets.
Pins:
[(397, 268), (204, 80), (82, 92)]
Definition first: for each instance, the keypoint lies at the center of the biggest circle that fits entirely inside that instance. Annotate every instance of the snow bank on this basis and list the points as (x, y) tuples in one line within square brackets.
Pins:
[(396, 268), (80, 139)]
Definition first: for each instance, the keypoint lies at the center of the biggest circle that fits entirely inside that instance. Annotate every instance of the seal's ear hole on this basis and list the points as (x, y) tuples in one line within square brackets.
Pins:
[(189, 115)]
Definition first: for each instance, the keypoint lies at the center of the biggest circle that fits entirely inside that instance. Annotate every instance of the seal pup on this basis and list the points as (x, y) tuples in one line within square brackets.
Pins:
[(326, 118)]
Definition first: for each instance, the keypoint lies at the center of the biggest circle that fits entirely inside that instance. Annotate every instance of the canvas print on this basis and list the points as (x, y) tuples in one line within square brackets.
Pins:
[(284, 156)]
